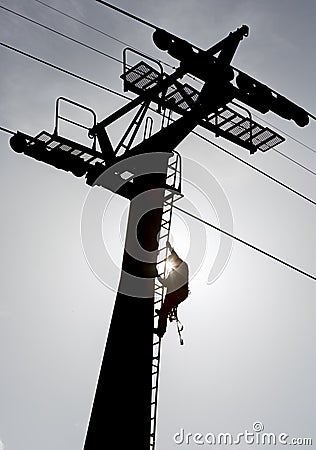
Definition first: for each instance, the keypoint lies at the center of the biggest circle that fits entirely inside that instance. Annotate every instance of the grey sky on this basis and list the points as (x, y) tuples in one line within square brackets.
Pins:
[(249, 349)]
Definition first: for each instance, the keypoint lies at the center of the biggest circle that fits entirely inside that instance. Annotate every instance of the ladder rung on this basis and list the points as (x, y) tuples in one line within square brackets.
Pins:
[(166, 220), (160, 261), (162, 248), (161, 273), (167, 198), (166, 224)]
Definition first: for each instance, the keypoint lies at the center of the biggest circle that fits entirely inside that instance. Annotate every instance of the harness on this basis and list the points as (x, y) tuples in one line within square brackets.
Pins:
[(173, 316)]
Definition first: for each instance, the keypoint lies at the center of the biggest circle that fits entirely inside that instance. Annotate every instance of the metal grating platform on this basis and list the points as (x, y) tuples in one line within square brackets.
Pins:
[(75, 149), (59, 152), (246, 130), (180, 100), (70, 156), (226, 122), (140, 77)]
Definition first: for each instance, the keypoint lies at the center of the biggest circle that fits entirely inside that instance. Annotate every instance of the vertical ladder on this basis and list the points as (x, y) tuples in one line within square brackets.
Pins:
[(172, 193)]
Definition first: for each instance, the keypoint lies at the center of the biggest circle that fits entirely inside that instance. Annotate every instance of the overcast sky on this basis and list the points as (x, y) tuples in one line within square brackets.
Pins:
[(249, 352)]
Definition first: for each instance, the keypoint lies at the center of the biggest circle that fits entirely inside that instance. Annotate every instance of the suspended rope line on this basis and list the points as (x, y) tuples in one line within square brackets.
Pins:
[(285, 133), (110, 36), (168, 65), (144, 22), (312, 116), (61, 34), (126, 13), (248, 244), (256, 169), (81, 22), (60, 69), (6, 130), (294, 161)]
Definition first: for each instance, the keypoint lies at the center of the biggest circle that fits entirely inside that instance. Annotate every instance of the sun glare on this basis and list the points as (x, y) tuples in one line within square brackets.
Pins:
[(170, 266)]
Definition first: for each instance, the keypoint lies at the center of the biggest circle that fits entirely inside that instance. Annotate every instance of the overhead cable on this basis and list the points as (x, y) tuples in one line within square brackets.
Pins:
[(110, 36), (165, 63), (248, 244), (6, 130), (255, 168), (93, 83), (145, 22), (128, 14), (66, 36), (294, 161), (60, 69), (253, 247)]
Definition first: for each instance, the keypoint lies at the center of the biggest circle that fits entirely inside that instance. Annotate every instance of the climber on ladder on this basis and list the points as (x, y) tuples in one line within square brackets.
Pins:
[(177, 284)]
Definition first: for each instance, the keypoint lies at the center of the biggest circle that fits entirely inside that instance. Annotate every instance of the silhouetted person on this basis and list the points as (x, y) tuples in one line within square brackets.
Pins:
[(177, 289)]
